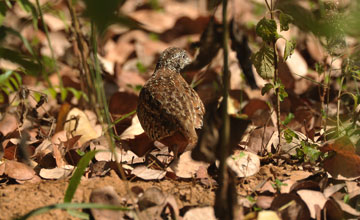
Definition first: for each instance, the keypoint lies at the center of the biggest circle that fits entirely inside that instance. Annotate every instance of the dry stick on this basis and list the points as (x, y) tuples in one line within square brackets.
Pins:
[(322, 98), (80, 47), (222, 209)]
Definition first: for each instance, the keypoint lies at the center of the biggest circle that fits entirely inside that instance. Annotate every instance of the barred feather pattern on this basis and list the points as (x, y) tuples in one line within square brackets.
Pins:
[(167, 104)]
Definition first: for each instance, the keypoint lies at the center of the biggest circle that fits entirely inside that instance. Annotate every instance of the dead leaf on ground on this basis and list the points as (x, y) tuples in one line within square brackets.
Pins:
[(330, 190), (260, 140), (18, 171), (244, 163), (8, 124), (296, 209), (264, 202), (155, 203), (2, 168), (57, 172), (106, 195), (312, 198), (347, 208), (203, 213), (146, 173), (78, 123), (267, 215), (333, 210), (186, 167), (344, 154)]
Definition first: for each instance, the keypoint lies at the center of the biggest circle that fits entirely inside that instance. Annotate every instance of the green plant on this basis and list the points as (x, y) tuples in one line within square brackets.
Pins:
[(266, 59), (10, 81), (308, 152), (278, 184)]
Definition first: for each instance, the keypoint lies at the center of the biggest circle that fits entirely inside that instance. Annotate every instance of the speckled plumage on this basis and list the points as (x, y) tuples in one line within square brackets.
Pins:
[(168, 106)]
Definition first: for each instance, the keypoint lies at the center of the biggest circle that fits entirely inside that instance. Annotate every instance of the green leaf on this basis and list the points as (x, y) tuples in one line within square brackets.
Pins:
[(75, 92), (312, 154), (282, 93), (51, 91), (9, 81), (285, 19), (289, 49), (16, 33), (14, 83), (263, 61), (266, 29), (288, 118), (289, 135), (63, 93), (141, 68), (27, 62), (3, 10), (5, 76), (267, 88), (29, 7), (75, 179)]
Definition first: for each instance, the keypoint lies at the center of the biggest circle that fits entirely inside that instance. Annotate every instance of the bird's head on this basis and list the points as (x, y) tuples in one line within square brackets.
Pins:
[(173, 58)]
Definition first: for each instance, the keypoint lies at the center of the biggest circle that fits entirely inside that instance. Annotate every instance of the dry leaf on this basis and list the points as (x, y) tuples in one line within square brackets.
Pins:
[(185, 166), (57, 172), (18, 171), (148, 174), (344, 154), (244, 163), (84, 127), (203, 213), (312, 198), (8, 124), (296, 209), (267, 215), (106, 195)]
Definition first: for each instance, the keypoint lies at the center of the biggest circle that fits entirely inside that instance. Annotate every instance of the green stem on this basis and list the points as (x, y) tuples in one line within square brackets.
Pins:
[(276, 81)]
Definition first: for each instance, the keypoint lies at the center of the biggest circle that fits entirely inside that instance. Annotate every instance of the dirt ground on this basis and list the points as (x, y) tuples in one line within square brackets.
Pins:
[(16, 199)]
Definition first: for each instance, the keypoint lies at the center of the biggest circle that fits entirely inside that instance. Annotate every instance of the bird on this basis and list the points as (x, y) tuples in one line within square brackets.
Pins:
[(169, 109)]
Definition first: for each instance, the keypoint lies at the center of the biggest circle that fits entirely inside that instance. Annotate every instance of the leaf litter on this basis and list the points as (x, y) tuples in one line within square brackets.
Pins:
[(294, 186)]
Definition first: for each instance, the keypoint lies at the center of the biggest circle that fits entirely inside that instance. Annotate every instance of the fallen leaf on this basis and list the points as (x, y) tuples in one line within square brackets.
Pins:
[(344, 154), (267, 215), (18, 171), (106, 195), (148, 174), (8, 124), (347, 208), (2, 168), (153, 196), (57, 172), (296, 209), (333, 210), (330, 190), (244, 163), (312, 198), (185, 166), (133, 130), (83, 128), (203, 213), (264, 202)]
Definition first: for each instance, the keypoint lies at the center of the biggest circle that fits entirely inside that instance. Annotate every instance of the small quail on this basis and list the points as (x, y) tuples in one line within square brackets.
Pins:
[(169, 110)]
